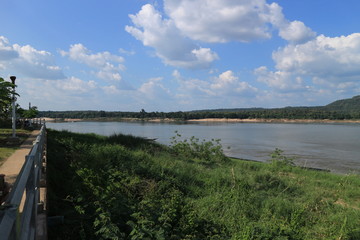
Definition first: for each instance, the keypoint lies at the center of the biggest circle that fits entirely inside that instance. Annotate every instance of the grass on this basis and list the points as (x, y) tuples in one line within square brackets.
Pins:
[(124, 187), (5, 149)]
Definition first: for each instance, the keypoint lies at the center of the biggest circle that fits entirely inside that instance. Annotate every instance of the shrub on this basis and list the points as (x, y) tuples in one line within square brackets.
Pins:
[(194, 149)]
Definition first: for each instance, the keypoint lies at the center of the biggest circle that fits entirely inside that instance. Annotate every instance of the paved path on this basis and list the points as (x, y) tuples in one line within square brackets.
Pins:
[(13, 164)]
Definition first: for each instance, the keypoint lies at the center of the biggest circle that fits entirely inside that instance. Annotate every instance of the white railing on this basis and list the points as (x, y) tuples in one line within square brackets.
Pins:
[(16, 225)]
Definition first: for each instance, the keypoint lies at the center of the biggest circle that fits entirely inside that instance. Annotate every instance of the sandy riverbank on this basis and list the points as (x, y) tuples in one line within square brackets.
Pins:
[(224, 120), (263, 120), (61, 119)]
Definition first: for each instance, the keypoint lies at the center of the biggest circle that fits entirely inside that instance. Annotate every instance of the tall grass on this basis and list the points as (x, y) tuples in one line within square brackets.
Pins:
[(123, 187)]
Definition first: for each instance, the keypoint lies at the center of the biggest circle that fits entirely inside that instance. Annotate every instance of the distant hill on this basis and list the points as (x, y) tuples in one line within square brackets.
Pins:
[(346, 105), (343, 105)]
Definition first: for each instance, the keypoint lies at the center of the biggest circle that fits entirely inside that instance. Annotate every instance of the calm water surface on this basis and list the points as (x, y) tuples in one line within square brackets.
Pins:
[(328, 146)]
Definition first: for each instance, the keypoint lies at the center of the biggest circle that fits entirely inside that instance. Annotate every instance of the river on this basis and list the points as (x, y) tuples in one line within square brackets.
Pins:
[(335, 147)]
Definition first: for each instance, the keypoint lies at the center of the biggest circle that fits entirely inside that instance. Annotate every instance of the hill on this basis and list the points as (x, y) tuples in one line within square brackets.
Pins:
[(350, 104)]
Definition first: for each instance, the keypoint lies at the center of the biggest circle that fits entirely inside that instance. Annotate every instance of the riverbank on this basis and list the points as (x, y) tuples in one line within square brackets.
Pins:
[(214, 120), (271, 120), (128, 187)]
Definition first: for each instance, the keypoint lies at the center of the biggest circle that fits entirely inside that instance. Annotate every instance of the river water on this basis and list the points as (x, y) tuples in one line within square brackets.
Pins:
[(335, 147)]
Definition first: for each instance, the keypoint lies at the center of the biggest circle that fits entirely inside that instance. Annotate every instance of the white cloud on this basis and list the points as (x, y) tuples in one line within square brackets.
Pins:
[(28, 61), (228, 84), (76, 85), (225, 85), (7, 52), (112, 89), (329, 63), (154, 89), (106, 64), (108, 75), (228, 20), (336, 59), (296, 32), (279, 80), (220, 21), (169, 43), (175, 38), (224, 90), (176, 74)]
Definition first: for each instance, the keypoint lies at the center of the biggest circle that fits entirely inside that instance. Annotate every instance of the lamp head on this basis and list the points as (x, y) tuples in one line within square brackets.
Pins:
[(13, 79)]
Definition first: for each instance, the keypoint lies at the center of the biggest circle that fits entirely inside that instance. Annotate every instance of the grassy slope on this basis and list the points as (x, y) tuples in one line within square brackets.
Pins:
[(127, 188)]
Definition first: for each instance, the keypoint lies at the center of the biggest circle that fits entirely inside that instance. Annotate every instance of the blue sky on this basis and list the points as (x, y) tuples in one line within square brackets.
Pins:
[(179, 55)]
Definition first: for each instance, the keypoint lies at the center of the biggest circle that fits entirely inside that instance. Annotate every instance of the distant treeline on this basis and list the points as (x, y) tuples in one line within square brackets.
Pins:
[(286, 113), (338, 110)]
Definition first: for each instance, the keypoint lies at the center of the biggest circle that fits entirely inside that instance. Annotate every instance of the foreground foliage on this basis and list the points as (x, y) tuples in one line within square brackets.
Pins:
[(124, 187)]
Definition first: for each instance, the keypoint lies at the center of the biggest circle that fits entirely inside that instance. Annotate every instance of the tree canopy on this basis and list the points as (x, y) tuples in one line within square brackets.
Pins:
[(6, 91)]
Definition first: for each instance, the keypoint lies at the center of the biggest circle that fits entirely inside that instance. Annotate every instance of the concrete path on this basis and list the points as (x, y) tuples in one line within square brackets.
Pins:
[(13, 164)]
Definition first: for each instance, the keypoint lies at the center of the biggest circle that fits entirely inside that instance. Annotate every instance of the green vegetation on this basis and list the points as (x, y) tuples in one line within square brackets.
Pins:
[(5, 149), (6, 91), (345, 105), (348, 109), (123, 187)]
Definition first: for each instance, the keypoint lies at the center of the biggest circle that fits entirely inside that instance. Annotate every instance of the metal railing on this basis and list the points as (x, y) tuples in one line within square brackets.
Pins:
[(16, 225)]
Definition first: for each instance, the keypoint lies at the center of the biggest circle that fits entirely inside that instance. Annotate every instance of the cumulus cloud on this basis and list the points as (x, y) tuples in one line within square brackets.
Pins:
[(107, 65), (229, 84), (112, 89), (220, 21), (76, 85), (154, 89), (7, 52), (327, 62), (225, 89), (336, 59), (170, 45), (28, 61), (296, 32), (228, 20), (175, 38), (224, 85), (279, 80)]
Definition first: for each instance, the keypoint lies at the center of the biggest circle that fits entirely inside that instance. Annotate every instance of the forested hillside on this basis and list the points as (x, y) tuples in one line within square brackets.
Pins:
[(345, 105)]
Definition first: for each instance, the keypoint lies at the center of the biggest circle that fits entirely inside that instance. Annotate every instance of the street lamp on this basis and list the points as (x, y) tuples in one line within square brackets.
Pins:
[(13, 78)]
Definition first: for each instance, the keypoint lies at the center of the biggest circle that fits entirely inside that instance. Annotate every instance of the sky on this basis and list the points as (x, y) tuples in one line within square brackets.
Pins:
[(180, 55)]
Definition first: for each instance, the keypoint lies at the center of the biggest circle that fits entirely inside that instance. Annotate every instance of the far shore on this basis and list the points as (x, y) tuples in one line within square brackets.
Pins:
[(223, 120), (272, 120)]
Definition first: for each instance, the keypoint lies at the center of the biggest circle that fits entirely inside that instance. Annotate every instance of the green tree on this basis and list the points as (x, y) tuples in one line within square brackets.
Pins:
[(143, 113), (6, 91), (31, 113)]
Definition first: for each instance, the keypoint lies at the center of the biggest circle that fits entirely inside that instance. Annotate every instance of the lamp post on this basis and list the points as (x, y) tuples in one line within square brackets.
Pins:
[(13, 78)]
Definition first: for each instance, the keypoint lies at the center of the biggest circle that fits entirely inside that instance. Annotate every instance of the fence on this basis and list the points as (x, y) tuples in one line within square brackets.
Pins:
[(16, 225)]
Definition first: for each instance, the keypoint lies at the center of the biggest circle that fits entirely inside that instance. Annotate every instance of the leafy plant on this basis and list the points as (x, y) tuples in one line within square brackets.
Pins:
[(208, 151), (279, 159)]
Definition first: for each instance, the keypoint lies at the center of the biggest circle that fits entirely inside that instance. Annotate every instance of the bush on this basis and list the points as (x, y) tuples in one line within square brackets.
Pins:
[(194, 149)]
